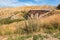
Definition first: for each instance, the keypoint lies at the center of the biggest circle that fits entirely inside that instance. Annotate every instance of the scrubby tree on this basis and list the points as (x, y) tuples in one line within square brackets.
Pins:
[(58, 7), (25, 14)]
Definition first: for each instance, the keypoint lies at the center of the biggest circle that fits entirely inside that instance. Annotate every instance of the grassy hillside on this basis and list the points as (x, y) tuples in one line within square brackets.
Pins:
[(13, 25), (6, 12)]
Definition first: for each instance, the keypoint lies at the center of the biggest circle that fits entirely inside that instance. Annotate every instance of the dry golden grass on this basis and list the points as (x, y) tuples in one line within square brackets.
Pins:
[(6, 12), (47, 24), (51, 18), (35, 26), (31, 25)]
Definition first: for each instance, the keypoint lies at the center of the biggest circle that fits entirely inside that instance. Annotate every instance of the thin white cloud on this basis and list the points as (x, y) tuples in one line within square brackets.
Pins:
[(48, 2), (39, 0), (7, 2), (14, 3)]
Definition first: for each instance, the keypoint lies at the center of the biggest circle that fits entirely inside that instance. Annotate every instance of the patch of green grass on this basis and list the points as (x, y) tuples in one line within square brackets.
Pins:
[(35, 37), (18, 37), (8, 21), (57, 35), (40, 37), (43, 36)]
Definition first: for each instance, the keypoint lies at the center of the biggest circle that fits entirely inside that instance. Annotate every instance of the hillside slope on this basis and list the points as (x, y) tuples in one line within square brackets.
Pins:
[(7, 12)]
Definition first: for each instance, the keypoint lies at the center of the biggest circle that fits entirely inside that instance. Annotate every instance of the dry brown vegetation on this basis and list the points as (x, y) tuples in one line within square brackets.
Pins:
[(6, 12), (49, 24)]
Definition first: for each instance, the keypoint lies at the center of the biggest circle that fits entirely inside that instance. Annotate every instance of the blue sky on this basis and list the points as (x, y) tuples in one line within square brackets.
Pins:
[(16, 3)]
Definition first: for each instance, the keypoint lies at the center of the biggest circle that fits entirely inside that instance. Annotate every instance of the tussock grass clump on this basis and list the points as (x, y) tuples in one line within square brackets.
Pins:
[(50, 24)]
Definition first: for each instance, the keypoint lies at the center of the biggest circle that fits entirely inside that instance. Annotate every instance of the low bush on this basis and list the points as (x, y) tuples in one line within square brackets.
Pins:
[(58, 7), (8, 20)]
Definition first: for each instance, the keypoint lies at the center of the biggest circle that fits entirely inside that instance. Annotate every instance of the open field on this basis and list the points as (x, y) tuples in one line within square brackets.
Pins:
[(13, 25)]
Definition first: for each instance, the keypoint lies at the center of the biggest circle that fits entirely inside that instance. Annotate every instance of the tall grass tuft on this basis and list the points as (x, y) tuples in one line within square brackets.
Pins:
[(48, 24)]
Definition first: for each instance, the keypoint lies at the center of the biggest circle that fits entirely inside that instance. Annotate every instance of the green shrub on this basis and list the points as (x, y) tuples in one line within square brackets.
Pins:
[(25, 14), (57, 35), (35, 37), (8, 20), (58, 7)]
